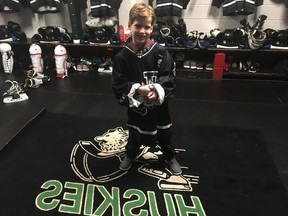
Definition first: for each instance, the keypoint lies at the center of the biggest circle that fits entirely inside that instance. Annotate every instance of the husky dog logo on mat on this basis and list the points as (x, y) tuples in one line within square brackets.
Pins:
[(86, 158)]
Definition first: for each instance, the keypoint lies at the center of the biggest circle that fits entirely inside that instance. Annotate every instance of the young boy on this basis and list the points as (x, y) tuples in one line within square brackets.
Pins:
[(143, 78)]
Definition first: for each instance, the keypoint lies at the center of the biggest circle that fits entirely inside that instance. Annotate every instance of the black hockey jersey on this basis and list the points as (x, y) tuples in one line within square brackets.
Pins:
[(128, 68), (43, 6), (234, 8), (51, 6), (154, 66), (10, 6), (104, 8), (170, 7)]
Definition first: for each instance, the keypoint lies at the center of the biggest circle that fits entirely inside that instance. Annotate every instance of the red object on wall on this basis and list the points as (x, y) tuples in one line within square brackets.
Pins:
[(218, 65), (121, 33)]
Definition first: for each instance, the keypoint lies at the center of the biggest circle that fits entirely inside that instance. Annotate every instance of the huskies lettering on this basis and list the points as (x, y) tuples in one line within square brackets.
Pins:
[(91, 199)]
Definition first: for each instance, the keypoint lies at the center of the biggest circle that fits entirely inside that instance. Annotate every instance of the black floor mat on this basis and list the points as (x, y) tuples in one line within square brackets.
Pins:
[(63, 164)]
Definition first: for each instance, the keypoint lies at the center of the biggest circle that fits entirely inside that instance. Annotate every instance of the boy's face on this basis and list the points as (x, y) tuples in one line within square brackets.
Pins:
[(141, 30)]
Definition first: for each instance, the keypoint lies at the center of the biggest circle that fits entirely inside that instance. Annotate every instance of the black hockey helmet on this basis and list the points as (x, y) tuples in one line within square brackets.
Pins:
[(85, 39), (4, 32), (280, 38), (13, 26), (52, 33), (66, 38)]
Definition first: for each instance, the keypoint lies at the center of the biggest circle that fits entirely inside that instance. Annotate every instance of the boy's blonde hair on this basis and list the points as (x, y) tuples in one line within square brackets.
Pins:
[(141, 10)]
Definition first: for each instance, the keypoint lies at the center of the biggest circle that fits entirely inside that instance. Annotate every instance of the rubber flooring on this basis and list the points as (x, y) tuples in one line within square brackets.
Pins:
[(253, 104)]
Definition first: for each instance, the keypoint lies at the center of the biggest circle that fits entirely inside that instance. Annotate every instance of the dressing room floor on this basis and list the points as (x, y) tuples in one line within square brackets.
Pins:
[(253, 104)]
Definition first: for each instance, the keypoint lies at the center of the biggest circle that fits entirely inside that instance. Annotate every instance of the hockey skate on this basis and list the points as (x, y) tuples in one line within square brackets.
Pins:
[(35, 82), (15, 93), (106, 67), (33, 74)]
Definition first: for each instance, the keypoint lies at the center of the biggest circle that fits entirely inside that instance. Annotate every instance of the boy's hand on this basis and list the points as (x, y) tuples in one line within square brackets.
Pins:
[(146, 91), (152, 95)]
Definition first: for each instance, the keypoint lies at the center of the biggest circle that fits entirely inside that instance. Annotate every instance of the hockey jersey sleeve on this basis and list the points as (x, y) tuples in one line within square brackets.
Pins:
[(120, 84), (167, 72)]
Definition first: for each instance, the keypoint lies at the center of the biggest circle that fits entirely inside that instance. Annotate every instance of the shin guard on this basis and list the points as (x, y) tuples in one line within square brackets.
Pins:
[(36, 58), (7, 57), (60, 55)]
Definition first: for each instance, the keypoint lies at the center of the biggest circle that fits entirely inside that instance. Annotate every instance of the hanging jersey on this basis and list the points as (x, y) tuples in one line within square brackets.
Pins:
[(10, 6), (43, 6), (240, 7), (104, 8), (170, 7)]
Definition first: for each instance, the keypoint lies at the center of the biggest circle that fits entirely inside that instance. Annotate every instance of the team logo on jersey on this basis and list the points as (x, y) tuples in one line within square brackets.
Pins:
[(150, 77)]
